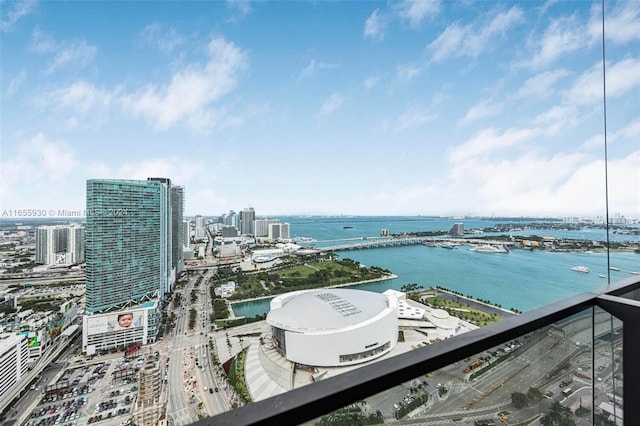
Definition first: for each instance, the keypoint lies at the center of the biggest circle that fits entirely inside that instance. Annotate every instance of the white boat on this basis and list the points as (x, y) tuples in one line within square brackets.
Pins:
[(488, 248), (613, 268), (634, 272), (602, 276), (581, 269)]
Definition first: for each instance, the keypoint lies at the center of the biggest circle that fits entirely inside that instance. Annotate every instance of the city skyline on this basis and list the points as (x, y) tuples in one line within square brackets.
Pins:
[(355, 108)]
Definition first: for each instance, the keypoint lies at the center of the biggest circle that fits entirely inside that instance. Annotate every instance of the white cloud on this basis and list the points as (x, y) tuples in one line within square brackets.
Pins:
[(481, 110), (563, 35), (242, 6), (490, 141), (471, 40), (332, 103), (376, 25), (415, 11), (83, 103), (191, 89), (622, 24), (557, 119), (77, 53), (622, 77), (189, 98), (165, 40), (541, 85), (17, 10), (413, 117), (15, 83), (314, 67), (631, 131), (407, 72), (39, 163)]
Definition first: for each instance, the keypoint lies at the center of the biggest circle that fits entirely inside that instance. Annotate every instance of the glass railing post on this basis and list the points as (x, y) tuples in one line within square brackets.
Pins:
[(628, 311)]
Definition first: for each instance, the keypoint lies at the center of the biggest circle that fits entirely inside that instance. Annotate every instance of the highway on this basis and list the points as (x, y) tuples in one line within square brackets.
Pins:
[(190, 367)]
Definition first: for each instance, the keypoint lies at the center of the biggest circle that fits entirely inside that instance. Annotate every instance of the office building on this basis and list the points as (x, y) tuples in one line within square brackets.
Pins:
[(60, 244)]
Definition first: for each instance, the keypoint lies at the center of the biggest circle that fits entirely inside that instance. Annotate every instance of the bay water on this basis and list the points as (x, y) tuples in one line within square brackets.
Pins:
[(521, 279)]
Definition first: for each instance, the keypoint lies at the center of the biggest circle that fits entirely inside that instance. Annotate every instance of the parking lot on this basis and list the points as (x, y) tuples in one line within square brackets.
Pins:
[(90, 392)]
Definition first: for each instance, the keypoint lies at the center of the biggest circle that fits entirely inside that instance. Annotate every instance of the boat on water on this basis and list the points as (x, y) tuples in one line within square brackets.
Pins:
[(447, 246), (581, 269), (602, 276), (634, 272), (488, 248), (613, 268), (347, 227)]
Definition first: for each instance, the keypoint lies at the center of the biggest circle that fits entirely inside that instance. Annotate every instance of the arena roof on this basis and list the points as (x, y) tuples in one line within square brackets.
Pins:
[(326, 309)]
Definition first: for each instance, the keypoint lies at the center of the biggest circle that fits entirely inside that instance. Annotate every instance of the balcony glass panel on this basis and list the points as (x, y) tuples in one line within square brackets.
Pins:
[(608, 389), (547, 373)]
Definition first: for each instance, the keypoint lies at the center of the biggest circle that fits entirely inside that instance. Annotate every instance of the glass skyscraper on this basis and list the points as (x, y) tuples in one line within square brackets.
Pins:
[(128, 242)]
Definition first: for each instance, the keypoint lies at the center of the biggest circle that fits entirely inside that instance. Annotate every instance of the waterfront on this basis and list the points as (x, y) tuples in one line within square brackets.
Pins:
[(522, 279)]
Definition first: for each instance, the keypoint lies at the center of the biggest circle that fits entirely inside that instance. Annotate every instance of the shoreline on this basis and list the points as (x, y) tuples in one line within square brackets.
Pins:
[(252, 299), (450, 293)]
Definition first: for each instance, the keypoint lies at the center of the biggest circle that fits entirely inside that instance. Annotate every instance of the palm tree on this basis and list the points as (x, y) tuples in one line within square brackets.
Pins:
[(558, 415)]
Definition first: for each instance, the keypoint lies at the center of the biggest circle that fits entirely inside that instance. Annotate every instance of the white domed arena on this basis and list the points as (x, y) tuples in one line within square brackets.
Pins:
[(333, 327)]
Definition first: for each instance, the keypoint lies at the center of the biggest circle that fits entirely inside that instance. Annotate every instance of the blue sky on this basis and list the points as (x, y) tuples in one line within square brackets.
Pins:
[(447, 108)]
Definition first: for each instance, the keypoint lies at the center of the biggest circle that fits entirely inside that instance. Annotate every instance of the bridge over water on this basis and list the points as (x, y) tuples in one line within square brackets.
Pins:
[(377, 243)]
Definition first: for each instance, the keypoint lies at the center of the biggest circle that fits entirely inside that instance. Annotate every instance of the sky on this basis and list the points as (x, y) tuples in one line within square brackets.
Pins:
[(356, 108)]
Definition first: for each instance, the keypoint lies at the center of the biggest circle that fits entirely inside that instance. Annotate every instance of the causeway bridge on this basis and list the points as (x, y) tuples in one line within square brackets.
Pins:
[(377, 243)]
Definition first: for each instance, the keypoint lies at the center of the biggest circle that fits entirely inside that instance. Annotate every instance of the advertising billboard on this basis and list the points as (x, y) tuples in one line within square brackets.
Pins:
[(115, 321)]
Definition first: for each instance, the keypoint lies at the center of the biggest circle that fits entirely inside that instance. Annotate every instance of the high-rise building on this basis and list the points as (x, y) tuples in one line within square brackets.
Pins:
[(128, 250), (14, 357), (262, 226), (60, 244), (229, 231), (457, 229), (129, 258), (186, 233), (177, 229), (285, 231), (274, 231), (247, 218), (200, 228), (148, 408)]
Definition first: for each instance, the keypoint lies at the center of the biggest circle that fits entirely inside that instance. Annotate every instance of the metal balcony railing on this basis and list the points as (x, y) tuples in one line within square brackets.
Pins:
[(621, 300)]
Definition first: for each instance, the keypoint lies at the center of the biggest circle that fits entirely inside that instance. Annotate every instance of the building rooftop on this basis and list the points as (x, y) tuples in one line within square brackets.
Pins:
[(325, 309)]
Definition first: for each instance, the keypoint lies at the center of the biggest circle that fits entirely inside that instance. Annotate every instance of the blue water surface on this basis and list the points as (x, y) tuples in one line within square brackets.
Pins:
[(521, 279)]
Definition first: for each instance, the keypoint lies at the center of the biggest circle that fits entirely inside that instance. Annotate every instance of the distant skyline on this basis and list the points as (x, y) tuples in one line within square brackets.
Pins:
[(482, 108)]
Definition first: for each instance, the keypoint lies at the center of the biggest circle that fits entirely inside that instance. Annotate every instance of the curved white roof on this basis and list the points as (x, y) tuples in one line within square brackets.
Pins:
[(441, 318), (325, 309)]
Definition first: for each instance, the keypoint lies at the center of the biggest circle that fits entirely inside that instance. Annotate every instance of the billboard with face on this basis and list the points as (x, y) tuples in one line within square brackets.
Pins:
[(114, 321)]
